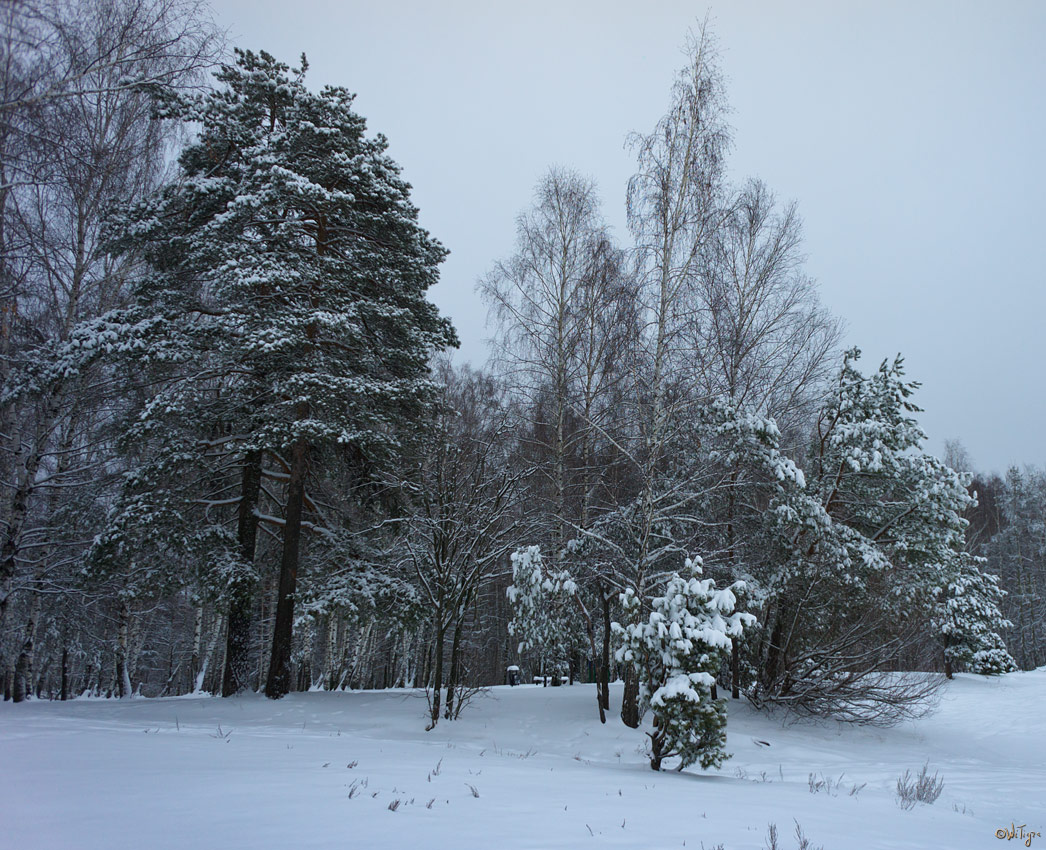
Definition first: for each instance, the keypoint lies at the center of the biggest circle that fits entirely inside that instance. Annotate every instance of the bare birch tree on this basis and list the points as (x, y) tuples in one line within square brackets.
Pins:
[(565, 308), (675, 209), (76, 138), (760, 336)]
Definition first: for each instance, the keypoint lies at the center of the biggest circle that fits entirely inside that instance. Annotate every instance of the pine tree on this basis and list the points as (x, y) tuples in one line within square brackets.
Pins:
[(287, 288), (865, 550), (677, 651), (544, 617), (970, 621)]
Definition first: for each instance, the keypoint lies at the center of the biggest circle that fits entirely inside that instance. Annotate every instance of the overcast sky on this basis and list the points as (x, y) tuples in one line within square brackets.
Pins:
[(911, 134)]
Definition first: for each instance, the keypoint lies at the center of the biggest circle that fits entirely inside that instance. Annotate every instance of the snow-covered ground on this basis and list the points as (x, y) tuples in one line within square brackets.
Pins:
[(524, 767)]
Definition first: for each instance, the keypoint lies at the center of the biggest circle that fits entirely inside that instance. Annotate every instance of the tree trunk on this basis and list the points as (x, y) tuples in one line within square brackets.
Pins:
[(331, 674), (65, 672), (27, 465), (774, 666), (280, 681), (17, 512), (20, 688), (604, 671), (455, 674), (305, 668), (630, 700), (360, 655), (263, 632), (197, 646), (42, 680), (24, 665), (409, 671), (135, 642), (123, 673), (437, 675), (657, 741), (238, 641), (86, 680), (735, 648), (735, 668), (208, 657)]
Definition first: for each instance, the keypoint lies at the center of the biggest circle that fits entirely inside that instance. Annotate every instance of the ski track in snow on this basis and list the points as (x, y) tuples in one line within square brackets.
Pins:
[(156, 774)]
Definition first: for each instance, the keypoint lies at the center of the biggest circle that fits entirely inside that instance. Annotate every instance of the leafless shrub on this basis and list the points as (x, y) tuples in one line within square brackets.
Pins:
[(832, 787), (846, 670), (801, 841), (920, 789), (827, 784), (846, 677), (395, 804), (472, 788), (465, 695)]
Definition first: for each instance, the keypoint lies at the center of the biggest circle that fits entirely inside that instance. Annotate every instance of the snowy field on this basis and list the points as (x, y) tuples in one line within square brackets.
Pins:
[(524, 767)]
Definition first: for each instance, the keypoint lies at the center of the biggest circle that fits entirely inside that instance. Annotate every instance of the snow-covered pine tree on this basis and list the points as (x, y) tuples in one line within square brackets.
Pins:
[(677, 651), (747, 473), (969, 620), (864, 553), (289, 256), (543, 613)]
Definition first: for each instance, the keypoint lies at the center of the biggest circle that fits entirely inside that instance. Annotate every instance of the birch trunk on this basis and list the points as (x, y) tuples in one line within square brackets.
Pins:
[(212, 644), (330, 675), (197, 646), (123, 673)]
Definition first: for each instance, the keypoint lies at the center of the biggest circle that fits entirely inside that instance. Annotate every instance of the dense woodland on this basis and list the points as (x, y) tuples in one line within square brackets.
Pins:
[(237, 454)]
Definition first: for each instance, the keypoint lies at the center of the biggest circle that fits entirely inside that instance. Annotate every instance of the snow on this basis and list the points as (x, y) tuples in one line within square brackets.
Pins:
[(199, 772)]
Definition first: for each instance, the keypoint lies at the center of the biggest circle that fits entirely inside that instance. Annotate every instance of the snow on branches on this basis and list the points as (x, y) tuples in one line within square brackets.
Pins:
[(540, 598), (970, 621), (677, 649)]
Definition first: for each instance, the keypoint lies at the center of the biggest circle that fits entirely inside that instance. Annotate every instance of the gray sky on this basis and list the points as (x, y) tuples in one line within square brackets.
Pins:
[(910, 133)]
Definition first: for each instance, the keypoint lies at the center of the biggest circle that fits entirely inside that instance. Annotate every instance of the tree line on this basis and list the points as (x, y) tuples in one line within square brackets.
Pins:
[(237, 455)]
